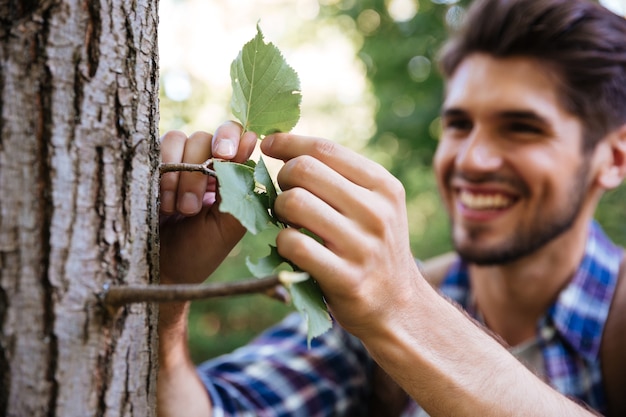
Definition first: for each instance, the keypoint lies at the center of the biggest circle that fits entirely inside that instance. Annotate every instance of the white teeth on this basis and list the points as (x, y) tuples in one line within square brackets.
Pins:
[(484, 201)]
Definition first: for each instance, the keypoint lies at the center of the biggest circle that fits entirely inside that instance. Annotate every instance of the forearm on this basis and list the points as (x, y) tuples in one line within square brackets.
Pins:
[(179, 389), (436, 358)]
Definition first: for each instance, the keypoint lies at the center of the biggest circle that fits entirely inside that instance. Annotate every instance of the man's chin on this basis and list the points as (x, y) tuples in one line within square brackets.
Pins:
[(489, 256)]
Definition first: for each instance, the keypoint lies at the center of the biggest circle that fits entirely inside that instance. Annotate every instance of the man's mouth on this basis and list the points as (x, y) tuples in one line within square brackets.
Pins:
[(485, 201)]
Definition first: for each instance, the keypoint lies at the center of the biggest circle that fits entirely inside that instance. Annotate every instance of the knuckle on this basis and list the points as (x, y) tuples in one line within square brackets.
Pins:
[(388, 210), (324, 148), (378, 219), (200, 135), (302, 165), (378, 222), (173, 135), (395, 189), (197, 148), (369, 250), (291, 202), (291, 245), (294, 199), (172, 145), (296, 170), (293, 249)]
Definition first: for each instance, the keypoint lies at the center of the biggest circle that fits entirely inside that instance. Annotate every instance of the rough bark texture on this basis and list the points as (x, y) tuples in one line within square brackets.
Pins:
[(78, 183)]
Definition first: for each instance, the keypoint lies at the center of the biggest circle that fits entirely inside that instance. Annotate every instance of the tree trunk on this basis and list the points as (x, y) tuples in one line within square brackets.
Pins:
[(78, 190)]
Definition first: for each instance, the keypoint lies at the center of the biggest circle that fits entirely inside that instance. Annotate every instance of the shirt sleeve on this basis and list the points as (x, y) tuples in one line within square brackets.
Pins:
[(277, 375)]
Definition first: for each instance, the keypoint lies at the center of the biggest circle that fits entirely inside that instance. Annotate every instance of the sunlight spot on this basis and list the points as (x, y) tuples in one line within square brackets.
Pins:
[(388, 142), (307, 9), (402, 10), (435, 128), (368, 21), (403, 106), (454, 16), (419, 68), (177, 85)]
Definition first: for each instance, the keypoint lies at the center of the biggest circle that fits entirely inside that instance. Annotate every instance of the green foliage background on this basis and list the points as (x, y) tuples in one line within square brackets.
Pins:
[(400, 59)]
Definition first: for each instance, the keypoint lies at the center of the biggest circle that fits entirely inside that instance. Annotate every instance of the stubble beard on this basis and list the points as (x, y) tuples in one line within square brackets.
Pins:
[(524, 240)]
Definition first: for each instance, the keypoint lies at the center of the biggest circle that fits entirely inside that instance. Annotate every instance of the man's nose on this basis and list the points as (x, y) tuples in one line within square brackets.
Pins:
[(479, 152)]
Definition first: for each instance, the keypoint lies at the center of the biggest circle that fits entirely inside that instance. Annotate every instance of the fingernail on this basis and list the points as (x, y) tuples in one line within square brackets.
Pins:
[(189, 204), (225, 148), (167, 201)]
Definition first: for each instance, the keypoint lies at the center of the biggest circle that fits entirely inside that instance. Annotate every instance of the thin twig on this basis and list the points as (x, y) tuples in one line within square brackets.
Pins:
[(273, 285), (116, 296), (204, 168)]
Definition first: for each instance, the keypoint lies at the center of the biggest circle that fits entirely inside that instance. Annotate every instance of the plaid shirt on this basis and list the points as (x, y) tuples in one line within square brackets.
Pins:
[(276, 375)]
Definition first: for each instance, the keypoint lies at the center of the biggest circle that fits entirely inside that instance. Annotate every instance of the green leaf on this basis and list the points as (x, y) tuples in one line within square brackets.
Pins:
[(306, 296), (236, 187), (308, 299), (267, 265), (262, 177), (266, 99), (266, 90)]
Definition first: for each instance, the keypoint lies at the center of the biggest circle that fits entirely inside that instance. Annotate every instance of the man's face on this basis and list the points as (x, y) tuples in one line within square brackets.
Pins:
[(509, 164)]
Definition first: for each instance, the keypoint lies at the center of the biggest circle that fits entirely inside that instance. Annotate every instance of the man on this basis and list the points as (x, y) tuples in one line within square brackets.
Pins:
[(534, 131)]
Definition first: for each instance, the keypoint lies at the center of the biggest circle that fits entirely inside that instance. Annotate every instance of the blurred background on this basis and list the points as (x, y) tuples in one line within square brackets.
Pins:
[(369, 81)]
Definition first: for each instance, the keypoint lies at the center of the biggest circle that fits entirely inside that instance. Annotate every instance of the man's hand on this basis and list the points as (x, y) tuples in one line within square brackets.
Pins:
[(195, 239), (358, 209), (375, 290), (195, 235)]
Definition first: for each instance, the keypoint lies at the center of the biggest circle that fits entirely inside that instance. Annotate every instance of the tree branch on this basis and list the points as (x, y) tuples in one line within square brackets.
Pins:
[(273, 285), (204, 168), (125, 294)]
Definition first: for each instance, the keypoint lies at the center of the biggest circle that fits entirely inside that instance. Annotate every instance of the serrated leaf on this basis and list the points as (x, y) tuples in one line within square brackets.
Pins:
[(306, 296), (267, 265), (266, 90), (308, 299), (266, 98), (262, 176), (236, 187)]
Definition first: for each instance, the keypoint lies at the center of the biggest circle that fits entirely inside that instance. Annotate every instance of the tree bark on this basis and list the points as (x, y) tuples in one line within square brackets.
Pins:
[(78, 191)]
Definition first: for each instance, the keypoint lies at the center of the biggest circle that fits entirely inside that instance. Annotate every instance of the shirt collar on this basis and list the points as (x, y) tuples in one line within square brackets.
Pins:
[(580, 311)]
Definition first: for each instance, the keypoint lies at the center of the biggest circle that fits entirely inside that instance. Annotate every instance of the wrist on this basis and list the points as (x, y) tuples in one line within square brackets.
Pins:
[(173, 316), (427, 341), (172, 331)]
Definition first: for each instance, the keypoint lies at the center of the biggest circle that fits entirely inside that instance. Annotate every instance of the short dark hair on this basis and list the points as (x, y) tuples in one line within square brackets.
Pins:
[(583, 42)]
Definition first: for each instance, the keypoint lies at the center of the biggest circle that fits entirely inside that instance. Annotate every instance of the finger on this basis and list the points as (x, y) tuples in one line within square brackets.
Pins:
[(346, 162), (226, 140), (301, 208), (230, 144), (370, 209), (319, 179), (192, 185), (310, 256), (247, 142), (172, 148)]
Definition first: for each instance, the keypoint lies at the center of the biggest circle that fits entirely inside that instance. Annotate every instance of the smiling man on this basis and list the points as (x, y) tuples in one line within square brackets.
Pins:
[(504, 133), (534, 132)]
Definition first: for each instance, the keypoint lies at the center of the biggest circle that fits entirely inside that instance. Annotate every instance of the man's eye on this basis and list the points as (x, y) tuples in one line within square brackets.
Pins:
[(524, 128), (458, 125)]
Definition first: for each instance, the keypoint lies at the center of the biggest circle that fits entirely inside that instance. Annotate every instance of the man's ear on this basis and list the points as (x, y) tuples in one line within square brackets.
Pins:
[(613, 171)]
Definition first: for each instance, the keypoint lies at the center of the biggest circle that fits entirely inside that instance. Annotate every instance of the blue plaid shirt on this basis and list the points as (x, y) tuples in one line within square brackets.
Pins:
[(276, 375)]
